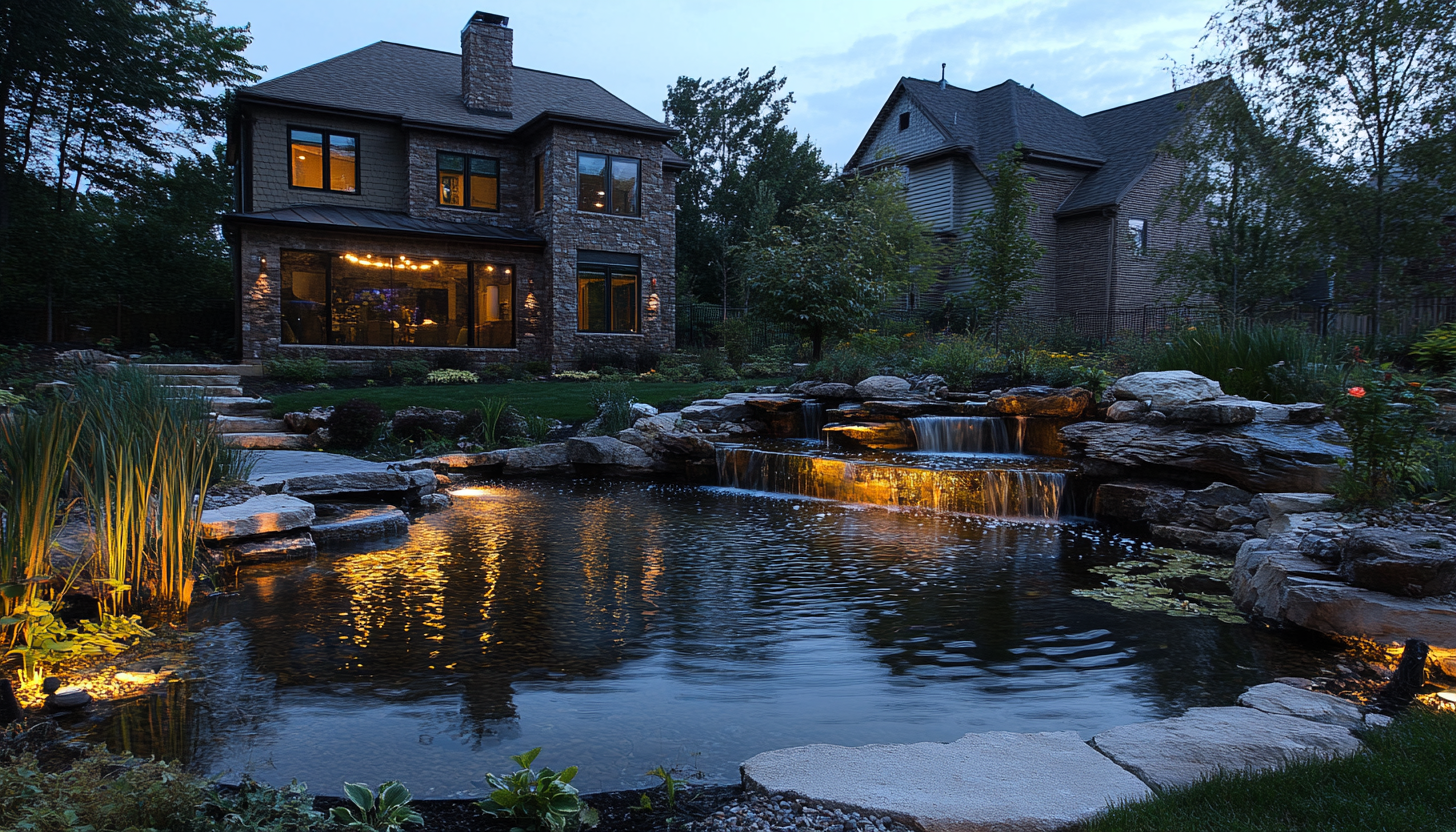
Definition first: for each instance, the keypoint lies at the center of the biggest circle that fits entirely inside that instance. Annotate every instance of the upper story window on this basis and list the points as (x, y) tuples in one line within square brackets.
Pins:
[(608, 184), (1137, 234), (323, 160), (468, 181), (905, 120), (543, 170)]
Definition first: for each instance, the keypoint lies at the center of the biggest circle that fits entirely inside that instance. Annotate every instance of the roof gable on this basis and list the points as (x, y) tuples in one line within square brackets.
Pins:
[(422, 86), (882, 118)]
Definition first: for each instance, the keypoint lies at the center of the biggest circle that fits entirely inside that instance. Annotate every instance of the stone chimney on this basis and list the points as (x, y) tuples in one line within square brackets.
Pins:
[(486, 80)]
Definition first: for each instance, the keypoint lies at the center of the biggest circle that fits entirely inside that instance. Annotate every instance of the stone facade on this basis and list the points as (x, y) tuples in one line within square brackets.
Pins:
[(486, 79)]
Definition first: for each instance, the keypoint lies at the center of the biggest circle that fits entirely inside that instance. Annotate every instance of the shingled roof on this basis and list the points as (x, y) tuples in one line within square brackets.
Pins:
[(348, 218), (421, 87)]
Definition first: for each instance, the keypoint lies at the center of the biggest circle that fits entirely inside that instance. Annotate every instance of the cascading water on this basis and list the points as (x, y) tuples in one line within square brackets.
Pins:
[(969, 434), (995, 492), (813, 418)]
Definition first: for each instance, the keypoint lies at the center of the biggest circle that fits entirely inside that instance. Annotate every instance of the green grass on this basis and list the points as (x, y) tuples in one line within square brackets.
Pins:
[(1406, 780), (567, 401)]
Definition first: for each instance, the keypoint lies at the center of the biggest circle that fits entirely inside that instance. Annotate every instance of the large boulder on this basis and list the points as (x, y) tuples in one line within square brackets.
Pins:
[(1166, 390), (992, 781), (314, 474), (717, 410), (1416, 564), (1066, 402), (1183, 750), (1257, 456), (608, 451), (268, 514), (829, 390), (547, 458), (349, 524), (1224, 410), (881, 387), (307, 421)]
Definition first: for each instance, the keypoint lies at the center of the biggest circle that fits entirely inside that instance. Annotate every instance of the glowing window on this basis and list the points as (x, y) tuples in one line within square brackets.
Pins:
[(468, 181), (323, 160), (608, 184)]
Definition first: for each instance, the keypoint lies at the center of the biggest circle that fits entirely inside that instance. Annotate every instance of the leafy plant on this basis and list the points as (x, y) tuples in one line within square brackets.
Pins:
[(451, 377), (670, 785), (255, 807), (1273, 363), (538, 368), (491, 410), (999, 252), (299, 370), (614, 407), (355, 423), (49, 641), (1436, 349), (542, 800), (538, 427), (388, 811), (35, 451), (100, 791), (1389, 440)]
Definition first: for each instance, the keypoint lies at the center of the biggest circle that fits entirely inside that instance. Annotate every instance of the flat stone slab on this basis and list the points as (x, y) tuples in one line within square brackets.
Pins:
[(315, 474), (981, 782), (267, 514), (1186, 749), (1343, 610), (360, 523), (295, 546), (1286, 700)]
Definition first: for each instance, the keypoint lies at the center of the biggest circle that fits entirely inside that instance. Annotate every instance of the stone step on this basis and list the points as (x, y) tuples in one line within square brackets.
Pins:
[(267, 441), (250, 424), (209, 391), (204, 369), (200, 380), (239, 406)]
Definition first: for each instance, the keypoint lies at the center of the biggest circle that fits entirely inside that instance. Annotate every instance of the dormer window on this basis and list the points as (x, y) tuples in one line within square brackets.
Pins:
[(608, 184), (323, 160), (468, 181), (905, 120)]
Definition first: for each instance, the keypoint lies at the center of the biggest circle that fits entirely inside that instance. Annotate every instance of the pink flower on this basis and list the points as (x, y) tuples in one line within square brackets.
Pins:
[(1357, 392)]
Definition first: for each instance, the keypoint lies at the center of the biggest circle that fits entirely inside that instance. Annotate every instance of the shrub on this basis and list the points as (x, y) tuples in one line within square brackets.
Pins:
[(538, 368), (1436, 350), (614, 407), (1389, 440), (454, 360), (736, 335), (497, 372), (300, 370), (100, 791), (255, 807), (577, 375), (1273, 363), (451, 377), (845, 365), (715, 366), (355, 423), (416, 424), (388, 811)]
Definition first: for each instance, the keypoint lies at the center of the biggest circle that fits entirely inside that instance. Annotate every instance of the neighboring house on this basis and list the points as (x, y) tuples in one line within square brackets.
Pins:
[(397, 199), (1100, 181)]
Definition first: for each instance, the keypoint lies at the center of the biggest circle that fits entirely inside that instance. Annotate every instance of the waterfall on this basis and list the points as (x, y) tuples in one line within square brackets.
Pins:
[(994, 492), (969, 434), (813, 418)]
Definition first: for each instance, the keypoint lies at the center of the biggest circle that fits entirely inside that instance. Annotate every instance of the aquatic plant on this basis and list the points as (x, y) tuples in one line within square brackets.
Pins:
[(542, 800), (36, 446), (1171, 581)]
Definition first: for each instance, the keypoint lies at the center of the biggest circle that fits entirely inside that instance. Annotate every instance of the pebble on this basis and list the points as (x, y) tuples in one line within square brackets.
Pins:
[(771, 813)]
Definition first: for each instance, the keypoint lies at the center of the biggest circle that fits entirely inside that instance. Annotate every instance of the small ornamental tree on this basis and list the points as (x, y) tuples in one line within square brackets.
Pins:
[(999, 253), (846, 257)]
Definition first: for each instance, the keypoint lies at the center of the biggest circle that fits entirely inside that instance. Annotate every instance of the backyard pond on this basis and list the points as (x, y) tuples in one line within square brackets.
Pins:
[(623, 626)]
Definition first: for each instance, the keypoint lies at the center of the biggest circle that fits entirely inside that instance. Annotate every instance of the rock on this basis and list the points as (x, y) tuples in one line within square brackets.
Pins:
[(132, 677), (307, 421), (691, 445), (361, 523), (230, 494), (320, 438), (1180, 751), (1275, 698), (1168, 389), (1203, 540), (928, 384), (1067, 402), (315, 474), (259, 515), (905, 408), (1126, 411), (881, 387), (991, 781), (608, 451), (294, 546), (435, 502), (1224, 410), (1378, 720), (716, 410), (1299, 413), (641, 410), (1415, 564), (548, 458), (1137, 502), (1281, 506), (1257, 457), (50, 685), (880, 435), (1217, 495), (457, 462), (830, 390), (69, 698), (1263, 570)]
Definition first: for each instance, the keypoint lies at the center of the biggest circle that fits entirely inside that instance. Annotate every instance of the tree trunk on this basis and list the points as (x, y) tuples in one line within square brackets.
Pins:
[(817, 339)]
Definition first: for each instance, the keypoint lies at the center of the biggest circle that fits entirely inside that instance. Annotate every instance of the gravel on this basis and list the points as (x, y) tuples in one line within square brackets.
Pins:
[(765, 813)]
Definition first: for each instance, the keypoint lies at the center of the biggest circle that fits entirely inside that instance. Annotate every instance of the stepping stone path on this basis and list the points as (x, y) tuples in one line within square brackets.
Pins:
[(245, 422), (1021, 782)]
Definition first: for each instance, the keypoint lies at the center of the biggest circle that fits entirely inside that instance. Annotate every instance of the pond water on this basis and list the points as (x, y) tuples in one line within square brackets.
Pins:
[(624, 625)]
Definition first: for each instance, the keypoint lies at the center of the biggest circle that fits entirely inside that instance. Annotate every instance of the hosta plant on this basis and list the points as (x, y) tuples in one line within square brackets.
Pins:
[(452, 377), (543, 801), (388, 811)]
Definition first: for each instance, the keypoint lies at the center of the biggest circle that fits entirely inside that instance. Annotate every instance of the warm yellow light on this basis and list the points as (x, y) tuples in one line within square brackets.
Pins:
[(301, 158), (475, 492), (436, 262), (599, 205), (490, 268), (1448, 695), (396, 324)]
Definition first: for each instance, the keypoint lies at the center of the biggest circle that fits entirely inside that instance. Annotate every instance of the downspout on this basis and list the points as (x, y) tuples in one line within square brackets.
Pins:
[(1111, 214)]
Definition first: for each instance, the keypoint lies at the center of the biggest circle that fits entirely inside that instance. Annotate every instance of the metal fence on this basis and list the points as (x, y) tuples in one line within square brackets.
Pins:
[(699, 325), (1410, 318)]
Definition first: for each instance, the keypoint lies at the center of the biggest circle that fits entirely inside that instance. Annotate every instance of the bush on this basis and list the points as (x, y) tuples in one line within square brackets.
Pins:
[(538, 368), (100, 791), (614, 407), (454, 360), (1389, 440), (452, 377), (1436, 350), (355, 423), (1272, 363), (736, 335), (299, 370), (416, 424), (497, 372)]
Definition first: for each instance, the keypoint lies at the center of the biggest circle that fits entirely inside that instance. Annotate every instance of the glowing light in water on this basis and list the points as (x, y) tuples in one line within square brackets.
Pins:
[(969, 434), (475, 492), (994, 492)]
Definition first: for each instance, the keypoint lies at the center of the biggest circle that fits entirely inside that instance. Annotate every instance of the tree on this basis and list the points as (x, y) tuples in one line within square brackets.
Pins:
[(746, 172), (1359, 85), (999, 253), (842, 259)]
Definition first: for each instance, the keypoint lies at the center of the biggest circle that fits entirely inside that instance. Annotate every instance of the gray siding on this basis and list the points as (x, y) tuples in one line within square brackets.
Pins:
[(931, 194), (383, 172), (921, 136), (973, 192), (1136, 284)]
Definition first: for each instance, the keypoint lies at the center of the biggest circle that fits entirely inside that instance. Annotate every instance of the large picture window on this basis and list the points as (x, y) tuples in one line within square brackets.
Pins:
[(607, 296), (608, 184), (323, 160), (468, 181), (372, 300)]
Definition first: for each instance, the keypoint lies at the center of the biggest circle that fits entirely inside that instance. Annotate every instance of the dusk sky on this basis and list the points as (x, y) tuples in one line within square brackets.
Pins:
[(841, 58)]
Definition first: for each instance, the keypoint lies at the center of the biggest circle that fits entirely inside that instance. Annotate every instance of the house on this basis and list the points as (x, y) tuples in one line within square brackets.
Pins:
[(397, 201), (1099, 183)]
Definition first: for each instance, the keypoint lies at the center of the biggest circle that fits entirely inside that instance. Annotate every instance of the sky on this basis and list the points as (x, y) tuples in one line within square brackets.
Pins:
[(841, 58)]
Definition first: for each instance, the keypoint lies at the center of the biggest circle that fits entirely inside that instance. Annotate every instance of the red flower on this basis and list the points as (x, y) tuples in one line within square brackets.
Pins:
[(1357, 392)]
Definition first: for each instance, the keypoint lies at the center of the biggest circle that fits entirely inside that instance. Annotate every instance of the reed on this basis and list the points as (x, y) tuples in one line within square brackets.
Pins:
[(36, 445)]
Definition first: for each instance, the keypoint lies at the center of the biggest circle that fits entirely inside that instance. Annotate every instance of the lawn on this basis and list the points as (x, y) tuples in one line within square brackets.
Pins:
[(1406, 780), (564, 400)]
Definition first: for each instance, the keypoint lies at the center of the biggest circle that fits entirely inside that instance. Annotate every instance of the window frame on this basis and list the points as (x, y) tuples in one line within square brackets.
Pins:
[(904, 122), (465, 183), (327, 134), (541, 173), (607, 202), (608, 270), (1138, 238)]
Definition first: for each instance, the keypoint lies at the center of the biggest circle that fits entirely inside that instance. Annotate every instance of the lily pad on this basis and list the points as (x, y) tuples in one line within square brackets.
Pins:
[(1171, 581)]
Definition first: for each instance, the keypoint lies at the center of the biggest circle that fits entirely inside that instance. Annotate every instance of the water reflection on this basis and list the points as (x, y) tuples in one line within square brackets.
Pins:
[(622, 626)]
